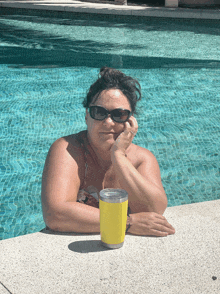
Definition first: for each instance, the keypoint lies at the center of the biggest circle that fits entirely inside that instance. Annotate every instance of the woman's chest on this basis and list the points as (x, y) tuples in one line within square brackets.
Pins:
[(101, 179)]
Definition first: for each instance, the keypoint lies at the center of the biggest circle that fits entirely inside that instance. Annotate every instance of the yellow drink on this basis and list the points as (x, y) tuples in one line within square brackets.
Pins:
[(113, 205)]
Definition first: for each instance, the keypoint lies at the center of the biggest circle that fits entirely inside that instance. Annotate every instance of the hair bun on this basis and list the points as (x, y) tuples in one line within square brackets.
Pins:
[(109, 73), (104, 70)]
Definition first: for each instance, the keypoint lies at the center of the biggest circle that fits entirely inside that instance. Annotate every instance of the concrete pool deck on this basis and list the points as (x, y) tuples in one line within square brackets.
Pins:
[(106, 8), (184, 263)]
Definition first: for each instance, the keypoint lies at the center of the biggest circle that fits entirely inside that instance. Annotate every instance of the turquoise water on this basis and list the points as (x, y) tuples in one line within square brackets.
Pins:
[(49, 60)]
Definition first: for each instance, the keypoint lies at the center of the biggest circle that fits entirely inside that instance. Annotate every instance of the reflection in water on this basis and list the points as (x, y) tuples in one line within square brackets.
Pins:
[(117, 61)]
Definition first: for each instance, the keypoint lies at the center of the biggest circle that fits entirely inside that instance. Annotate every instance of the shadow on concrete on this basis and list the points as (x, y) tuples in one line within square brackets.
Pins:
[(48, 231), (33, 48), (87, 246), (149, 3), (197, 26), (204, 6)]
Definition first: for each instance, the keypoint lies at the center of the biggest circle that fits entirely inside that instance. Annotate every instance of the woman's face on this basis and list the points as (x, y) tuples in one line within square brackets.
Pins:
[(104, 133)]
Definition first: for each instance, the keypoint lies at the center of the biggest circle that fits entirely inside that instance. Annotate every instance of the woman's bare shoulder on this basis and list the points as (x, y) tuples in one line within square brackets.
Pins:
[(139, 154), (65, 157), (70, 144), (63, 170)]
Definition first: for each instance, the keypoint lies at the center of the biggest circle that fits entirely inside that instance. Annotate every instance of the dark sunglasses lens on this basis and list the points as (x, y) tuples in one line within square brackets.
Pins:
[(120, 115), (98, 113)]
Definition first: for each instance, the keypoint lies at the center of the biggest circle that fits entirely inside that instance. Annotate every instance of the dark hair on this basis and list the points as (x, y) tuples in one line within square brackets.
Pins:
[(110, 78)]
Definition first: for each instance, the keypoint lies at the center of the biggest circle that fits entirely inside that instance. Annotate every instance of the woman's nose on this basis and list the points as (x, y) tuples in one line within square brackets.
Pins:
[(109, 120)]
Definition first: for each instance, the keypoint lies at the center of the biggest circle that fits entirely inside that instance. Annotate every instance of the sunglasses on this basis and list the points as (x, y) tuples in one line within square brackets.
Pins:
[(119, 115)]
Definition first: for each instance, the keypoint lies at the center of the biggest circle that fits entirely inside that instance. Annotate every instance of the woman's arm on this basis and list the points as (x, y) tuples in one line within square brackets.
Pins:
[(146, 196), (144, 187), (60, 186)]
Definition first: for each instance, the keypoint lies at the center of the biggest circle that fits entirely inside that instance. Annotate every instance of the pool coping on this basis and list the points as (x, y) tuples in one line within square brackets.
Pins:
[(184, 263), (115, 9)]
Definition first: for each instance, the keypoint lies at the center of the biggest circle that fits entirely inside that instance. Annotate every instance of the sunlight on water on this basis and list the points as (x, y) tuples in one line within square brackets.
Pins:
[(46, 67)]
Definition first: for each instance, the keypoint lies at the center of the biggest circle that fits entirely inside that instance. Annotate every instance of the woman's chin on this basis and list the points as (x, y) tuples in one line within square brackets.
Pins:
[(106, 144), (105, 141)]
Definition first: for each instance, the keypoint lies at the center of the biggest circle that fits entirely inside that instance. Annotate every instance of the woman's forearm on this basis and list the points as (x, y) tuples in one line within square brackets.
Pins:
[(144, 196), (73, 217)]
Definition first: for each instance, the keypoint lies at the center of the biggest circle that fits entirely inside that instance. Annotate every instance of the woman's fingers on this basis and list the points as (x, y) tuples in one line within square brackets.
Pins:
[(162, 220), (124, 140), (127, 128), (164, 228), (158, 233), (133, 122), (164, 225), (169, 226), (151, 224), (131, 126)]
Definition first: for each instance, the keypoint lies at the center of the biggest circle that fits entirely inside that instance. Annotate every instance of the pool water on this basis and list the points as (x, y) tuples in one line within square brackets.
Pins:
[(49, 60)]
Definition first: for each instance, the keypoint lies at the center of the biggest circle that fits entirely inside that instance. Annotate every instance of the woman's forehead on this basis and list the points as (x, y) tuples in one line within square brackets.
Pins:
[(112, 97)]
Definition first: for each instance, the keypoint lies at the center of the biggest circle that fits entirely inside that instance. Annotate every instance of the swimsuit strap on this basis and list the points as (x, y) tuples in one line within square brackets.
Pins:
[(86, 168)]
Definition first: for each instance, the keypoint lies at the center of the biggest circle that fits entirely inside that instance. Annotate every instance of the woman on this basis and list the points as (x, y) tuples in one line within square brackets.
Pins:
[(80, 165)]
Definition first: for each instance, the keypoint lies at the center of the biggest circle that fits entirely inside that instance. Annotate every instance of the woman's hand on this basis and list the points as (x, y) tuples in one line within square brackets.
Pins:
[(150, 224), (124, 140)]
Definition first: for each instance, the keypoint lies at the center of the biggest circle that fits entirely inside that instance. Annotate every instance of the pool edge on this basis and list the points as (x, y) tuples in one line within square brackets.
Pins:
[(100, 8), (186, 261)]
